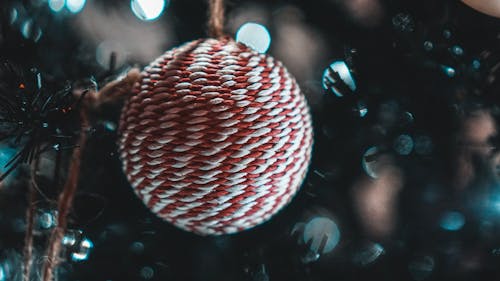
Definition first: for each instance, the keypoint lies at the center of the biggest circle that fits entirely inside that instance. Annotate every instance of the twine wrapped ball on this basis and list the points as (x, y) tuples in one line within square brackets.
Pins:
[(216, 137)]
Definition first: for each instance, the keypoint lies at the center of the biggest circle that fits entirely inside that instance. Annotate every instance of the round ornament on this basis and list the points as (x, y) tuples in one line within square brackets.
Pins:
[(216, 138)]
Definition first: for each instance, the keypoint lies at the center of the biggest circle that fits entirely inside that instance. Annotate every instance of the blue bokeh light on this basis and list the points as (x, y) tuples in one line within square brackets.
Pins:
[(47, 219), (368, 253), (403, 144), (6, 154), (13, 15), (56, 5), (449, 71), (421, 267), (323, 235), (148, 10), (452, 221), (255, 36), (31, 31), (476, 64), (75, 6), (369, 162), (83, 252), (147, 272), (428, 45), (69, 239), (457, 50), (329, 79)]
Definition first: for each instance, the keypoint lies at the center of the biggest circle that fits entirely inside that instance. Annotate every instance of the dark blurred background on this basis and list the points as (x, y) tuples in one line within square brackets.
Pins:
[(405, 178)]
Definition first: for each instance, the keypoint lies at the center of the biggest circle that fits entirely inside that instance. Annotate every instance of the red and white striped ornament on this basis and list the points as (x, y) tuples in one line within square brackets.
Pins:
[(216, 137)]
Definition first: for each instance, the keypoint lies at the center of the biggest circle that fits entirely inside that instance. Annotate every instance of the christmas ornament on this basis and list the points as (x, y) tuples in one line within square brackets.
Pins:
[(216, 137)]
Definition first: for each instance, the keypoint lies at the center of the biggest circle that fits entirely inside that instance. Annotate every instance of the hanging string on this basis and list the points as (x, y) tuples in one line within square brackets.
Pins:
[(30, 216), (115, 91), (216, 18), (65, 202), (112, 92)]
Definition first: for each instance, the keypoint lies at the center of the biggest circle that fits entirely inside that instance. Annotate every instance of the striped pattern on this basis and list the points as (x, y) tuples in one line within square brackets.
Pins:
[(216, 138)]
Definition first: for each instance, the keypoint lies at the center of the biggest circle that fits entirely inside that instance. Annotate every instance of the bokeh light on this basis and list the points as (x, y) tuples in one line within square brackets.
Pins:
[(489, 7), (84, 250), (10, 262), (31, 31), (323, 235), (362, 109), (376, 199), (75, 6), (423, 145), (428, 46), (137, 248), (338, 69), (364, 12), (147, 272), (476, 64), (6, 153), (110, 50), (457, 50), (110, 126), (369, 162), (254, 35), (124, 34), (368, 253), (13, 15), (46, 219), (148, 10), (56, 5), (421, 267), (403, 144), (70, 238), (449, 71), (452, 221), (403, 22)]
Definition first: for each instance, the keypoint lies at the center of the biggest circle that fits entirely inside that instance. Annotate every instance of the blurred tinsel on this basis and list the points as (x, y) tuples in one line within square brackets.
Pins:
[(405, 178)]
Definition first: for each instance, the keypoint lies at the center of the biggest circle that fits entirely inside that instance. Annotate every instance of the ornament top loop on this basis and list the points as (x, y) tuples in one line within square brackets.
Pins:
[(216, 18)]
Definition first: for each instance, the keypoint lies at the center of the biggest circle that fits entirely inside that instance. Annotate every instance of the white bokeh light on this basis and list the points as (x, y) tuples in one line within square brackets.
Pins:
[(321, 234), (75, 6), (105, 50), (148, 10), (344, 73), (83, 252), (56, 5), (255, 36)]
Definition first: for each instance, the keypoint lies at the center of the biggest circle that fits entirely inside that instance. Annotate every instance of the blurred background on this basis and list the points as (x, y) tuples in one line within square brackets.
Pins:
[(405, 178)]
